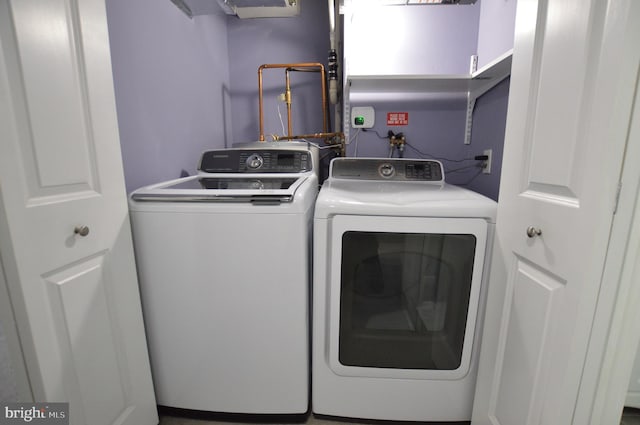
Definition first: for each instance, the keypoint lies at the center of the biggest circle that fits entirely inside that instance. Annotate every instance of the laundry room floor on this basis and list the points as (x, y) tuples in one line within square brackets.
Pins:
[(169, 420), (311, 420), (629, 417)]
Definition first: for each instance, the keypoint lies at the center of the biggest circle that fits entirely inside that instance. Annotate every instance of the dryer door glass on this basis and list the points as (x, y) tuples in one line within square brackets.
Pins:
[(404, 299)]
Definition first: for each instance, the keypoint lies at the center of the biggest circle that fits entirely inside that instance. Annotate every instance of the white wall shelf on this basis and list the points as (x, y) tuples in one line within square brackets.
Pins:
[(489, 75), (371, 88)]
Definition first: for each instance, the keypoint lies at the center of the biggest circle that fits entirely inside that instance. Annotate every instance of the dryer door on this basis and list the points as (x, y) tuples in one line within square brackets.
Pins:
[(404, 298)]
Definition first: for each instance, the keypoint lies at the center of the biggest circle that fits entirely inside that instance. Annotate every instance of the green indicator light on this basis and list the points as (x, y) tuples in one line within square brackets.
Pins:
[(359, 120)]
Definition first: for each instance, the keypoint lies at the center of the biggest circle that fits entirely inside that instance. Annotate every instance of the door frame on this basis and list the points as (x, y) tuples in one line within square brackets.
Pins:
[(9, 325), (616, 327)]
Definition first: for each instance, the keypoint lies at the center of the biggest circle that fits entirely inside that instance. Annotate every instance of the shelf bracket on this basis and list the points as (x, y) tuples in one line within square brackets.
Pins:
[(346, 112), (472, 96), (471, 104)]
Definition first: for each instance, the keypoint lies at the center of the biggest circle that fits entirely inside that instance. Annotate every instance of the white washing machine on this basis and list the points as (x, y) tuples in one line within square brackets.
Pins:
[(400, 271), (224, 267)]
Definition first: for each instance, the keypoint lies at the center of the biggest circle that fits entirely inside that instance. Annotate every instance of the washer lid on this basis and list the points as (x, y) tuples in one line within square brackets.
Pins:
[(224, 188)]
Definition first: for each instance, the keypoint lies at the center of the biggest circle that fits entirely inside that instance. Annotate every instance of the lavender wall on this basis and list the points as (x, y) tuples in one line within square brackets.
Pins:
[(436, 125), (171, 82), (436, 129), (184, 85), (496, 29), (253, 42), (397, 40)]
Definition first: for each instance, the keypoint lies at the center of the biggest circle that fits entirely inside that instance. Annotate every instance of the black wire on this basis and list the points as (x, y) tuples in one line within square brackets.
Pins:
[(456, 170), (439, 158), (470, 180), (377, 134), (420, 152)]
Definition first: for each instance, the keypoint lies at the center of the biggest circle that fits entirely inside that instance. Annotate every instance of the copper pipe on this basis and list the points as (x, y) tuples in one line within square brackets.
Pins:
[(260, 103), (325, 136), (288, 94), (287, 99), (292, 66), (326, 106), (310, 136), (324, 99)]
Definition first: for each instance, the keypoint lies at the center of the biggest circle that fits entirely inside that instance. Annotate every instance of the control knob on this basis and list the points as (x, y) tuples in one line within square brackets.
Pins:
[(386, 170), (254, 161)]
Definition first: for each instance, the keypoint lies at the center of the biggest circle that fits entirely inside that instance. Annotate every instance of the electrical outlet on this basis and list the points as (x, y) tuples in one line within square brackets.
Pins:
[(362, 117), (486, 164)]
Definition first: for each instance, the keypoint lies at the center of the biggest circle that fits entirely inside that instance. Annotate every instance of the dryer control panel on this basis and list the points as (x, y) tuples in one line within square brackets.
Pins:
[(255, 161), (387, 169)]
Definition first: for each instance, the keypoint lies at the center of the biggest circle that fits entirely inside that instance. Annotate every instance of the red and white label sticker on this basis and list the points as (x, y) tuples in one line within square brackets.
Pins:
[(397, 118)]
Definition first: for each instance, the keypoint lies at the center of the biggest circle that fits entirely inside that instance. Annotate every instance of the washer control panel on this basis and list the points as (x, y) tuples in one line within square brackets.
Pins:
[(258, 161), (425, 170)]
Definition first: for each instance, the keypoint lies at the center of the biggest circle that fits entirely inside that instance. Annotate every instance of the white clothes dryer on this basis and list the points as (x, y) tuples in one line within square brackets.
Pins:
[(400, 275), (224, 267)]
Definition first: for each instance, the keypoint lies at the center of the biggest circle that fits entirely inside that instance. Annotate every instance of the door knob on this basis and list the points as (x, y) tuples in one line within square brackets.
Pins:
[(533, 232), (81, 230)]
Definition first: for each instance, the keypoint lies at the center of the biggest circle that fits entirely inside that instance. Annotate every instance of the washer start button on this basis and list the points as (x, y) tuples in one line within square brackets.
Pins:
[(254, 161), (386, 170)]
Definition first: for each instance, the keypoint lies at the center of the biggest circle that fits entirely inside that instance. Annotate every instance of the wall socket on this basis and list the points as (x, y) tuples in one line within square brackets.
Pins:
[(486, 164)]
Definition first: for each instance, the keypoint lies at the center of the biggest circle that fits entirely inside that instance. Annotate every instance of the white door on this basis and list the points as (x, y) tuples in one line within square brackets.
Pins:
[(574, 72), (75, 296)]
